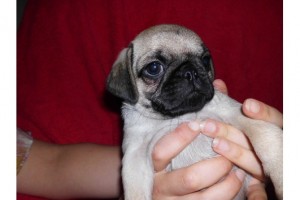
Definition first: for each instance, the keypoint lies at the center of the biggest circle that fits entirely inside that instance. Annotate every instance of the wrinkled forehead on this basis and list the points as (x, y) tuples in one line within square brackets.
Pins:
[(167, 43)]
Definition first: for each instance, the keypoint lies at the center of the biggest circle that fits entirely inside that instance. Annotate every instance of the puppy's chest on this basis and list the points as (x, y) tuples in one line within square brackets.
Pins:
[(146, 132), (199, 149)]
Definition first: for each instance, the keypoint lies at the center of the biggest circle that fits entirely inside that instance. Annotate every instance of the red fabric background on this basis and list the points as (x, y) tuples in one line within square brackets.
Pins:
[(66, 49)]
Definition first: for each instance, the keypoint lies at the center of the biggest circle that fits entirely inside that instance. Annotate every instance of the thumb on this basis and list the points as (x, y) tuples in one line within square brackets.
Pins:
[(256, 190), (258, 110)]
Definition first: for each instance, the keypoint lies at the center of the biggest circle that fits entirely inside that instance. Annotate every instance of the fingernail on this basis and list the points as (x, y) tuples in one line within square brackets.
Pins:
[(216, 84), (215, 142), (193, 125), (208, 126), (220, 145), (252, 106), (240, 174)]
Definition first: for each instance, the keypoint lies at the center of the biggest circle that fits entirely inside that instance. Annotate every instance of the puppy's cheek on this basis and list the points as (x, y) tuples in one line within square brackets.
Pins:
[(149, 82)]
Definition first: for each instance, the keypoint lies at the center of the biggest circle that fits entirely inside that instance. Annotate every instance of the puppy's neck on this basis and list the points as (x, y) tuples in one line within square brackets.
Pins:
[(137, 111)]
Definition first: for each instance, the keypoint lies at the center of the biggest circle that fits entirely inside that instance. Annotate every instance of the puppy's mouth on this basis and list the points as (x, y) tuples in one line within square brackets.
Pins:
[(185, 91)]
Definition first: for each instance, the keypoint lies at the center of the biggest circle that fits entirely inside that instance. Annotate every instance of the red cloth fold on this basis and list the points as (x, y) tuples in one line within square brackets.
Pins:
[(67, 47)]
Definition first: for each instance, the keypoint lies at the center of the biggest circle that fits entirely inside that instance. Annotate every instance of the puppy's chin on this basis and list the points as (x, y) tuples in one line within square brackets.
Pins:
[(194, 101)]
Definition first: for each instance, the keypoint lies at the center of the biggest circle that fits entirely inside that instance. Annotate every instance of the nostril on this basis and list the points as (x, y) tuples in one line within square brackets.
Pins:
[(190, 75)]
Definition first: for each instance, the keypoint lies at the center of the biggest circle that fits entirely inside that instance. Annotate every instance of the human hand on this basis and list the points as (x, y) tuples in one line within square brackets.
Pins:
[(258, 110), (241, 155), (186, 183)]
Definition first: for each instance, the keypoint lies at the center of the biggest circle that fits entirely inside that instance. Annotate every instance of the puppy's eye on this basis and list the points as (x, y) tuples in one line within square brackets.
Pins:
[(153, 70), (206, 62)]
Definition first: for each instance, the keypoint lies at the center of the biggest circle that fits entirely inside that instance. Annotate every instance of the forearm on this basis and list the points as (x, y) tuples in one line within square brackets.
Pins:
[(71, 171)]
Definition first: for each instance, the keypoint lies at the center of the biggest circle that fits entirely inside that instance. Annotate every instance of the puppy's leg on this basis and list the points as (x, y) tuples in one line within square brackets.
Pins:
[(137, 174)]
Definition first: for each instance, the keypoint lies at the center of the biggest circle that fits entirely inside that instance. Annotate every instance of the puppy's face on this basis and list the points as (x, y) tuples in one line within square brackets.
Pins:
[(166, 69)]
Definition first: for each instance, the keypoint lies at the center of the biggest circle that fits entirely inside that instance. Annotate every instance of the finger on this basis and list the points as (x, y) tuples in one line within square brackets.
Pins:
[(244, 158), (221, 86), (193, 178), (213, 129), (259, 110), (226, 189), (256, 190), (173, 143)]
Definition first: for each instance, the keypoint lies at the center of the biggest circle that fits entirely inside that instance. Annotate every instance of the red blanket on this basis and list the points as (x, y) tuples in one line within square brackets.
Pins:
[(67, 47)]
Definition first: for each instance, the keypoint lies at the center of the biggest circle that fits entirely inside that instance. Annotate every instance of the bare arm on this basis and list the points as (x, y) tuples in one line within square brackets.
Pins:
[(71, 171)]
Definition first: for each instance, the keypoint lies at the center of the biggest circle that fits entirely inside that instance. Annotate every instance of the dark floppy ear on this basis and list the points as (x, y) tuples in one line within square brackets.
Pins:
[(121, 81)]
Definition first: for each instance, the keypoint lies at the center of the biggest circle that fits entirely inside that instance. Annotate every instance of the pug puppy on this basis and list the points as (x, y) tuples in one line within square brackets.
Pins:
[(165, 78)]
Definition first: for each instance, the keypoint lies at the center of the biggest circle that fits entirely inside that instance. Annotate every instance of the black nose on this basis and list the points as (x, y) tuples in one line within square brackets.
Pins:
[(191, 74)]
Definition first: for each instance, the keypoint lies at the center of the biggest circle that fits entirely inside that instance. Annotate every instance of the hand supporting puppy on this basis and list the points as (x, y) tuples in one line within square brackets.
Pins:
[(186, 182), (254, 109)]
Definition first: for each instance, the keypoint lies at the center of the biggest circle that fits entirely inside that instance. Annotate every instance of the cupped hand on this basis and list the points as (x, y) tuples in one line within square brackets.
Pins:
[(188, 182), (234, 145), (236, 148)]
